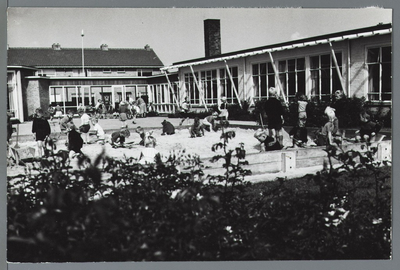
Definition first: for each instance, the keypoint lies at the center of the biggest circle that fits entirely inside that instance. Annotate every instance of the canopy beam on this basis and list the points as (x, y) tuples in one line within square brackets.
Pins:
[(277, 76), (233, 84), (337, 66), (171, 89), (200, 89)]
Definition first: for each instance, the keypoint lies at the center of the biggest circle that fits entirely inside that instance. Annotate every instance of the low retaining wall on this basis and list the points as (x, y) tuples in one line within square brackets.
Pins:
[(288, 160)]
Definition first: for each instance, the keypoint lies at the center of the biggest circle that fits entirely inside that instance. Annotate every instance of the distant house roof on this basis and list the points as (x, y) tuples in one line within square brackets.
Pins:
[(355, 33), (72, 57)]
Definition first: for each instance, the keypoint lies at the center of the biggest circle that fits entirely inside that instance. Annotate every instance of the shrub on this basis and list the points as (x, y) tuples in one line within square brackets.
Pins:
[(119, 210)]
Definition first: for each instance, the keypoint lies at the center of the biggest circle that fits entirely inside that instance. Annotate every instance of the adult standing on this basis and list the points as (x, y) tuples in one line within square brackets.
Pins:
[(40, 129), (142, 105), (123, 109), (223, 109), (274, 110)]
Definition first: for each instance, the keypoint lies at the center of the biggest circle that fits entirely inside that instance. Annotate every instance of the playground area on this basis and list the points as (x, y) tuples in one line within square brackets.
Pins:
[(179, 143)]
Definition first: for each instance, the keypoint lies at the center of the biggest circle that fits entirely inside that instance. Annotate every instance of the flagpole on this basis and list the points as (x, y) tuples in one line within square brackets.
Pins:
[(83, 57)]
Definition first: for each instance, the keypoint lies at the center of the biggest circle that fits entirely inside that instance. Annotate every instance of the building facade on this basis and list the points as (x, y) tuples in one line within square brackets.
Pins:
[(356, 61), (43, 77)]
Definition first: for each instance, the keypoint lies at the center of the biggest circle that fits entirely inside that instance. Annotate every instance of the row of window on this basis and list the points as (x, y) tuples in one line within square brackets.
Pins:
[(204, 89), (321, 82), (96, 72)]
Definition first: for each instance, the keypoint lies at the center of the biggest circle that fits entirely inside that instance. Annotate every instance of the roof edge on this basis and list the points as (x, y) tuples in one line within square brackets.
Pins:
[(286, 43)]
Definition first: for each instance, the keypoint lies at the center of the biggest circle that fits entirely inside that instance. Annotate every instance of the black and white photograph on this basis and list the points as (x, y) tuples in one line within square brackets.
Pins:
[(199, 134)]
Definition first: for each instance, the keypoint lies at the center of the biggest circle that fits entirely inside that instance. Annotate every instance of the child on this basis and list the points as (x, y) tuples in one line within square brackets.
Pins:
[(168, 128), (85, 124), (368, 128), (274, 111), (268, 143), (148, 154), (223, 108), (329, 130), (197, 129), (75, 141), (99, 132), (134, 111), (299, 133), (66, 122), (41, 130), (118, 137), (209, 123)]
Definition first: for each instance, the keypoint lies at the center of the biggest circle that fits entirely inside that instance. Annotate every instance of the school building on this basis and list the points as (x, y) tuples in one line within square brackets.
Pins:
[(357, 61), (70, 77)]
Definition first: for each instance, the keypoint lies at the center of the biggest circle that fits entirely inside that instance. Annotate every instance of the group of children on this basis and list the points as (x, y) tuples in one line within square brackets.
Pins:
[(270, 138), (327, 135), (77, 136)]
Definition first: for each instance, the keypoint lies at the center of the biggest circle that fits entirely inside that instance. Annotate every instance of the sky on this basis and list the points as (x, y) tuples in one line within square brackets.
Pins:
[(177, 34)]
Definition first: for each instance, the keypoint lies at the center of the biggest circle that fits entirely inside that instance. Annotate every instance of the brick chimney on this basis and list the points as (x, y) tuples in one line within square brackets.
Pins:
[(212, 37)]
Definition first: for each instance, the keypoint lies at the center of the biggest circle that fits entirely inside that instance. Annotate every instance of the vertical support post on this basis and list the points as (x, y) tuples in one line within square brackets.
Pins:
[(348, 90), (277, 76), (233, 85), (63, 97), (199, 88), (90, 96), (77, 96), (113, 97), (336, 65)]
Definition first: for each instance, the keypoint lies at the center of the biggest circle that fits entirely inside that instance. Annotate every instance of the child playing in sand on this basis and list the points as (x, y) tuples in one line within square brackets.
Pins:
[(209, 123), (85, 124), (75, 141), (98, 131), (197, 129), (118, 137), (329, 130)]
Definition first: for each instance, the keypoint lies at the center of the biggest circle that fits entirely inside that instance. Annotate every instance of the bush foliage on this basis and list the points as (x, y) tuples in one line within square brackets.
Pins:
[(119, 210)]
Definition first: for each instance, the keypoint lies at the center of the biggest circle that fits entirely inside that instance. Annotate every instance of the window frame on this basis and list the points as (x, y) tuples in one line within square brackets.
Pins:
[(380, 63)]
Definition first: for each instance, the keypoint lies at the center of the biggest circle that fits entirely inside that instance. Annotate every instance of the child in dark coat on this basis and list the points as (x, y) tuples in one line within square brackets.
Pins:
[(274, 111), (368, 128), (197, 128), (40, 129), (75, 141), (168, 128), (299, 133)]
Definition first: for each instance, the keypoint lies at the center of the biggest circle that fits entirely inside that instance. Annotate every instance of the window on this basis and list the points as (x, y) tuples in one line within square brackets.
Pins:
[(292, 76), (107, 71), (11, 91), (227, 89), (209, 82), (263, 78), (324, 77), (121, 71), (379, 61), (192, 89)]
